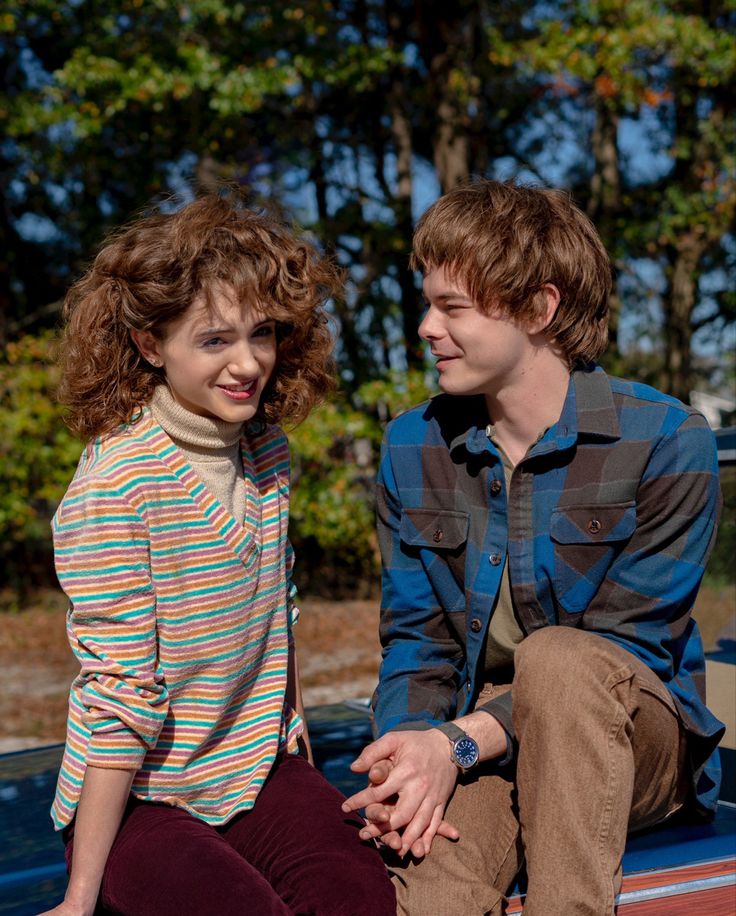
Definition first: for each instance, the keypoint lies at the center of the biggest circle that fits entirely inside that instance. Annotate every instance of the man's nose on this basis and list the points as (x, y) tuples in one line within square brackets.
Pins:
[(429, 328)]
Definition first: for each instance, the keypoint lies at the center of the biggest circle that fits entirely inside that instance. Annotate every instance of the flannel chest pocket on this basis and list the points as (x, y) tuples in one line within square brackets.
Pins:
[(436, 529), (437, 538), (587, 539)]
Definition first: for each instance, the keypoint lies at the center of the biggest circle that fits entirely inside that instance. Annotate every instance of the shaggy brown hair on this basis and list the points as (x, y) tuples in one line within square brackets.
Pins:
[(505, 241), (149, 273)]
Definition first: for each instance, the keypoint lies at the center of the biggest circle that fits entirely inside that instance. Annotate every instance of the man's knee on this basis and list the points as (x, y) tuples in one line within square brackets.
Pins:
[(546, 653), (554, 662)]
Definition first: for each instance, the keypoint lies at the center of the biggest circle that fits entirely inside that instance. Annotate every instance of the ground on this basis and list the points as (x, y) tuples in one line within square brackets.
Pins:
[(338, 644), (338, 647)]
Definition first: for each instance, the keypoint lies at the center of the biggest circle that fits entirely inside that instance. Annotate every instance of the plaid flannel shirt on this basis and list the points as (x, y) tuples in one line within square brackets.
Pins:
[(607, 526)]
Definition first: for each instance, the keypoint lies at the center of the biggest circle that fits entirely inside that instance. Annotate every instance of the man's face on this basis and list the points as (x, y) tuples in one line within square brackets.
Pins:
[(475, 352)]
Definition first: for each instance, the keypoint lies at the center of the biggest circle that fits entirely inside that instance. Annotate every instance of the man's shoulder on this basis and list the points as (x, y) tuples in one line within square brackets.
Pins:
[(624, 408), (643, 407), (629, 390), (443, 417)]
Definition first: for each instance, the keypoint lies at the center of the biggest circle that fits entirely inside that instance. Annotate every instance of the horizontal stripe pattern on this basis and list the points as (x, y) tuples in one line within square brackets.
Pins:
[(180, 618)]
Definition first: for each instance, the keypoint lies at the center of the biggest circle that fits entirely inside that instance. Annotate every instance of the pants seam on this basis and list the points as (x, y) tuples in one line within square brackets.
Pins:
[(605, 830)]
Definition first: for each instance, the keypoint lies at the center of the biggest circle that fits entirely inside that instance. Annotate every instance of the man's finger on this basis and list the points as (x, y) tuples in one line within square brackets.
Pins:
[(377, 814), (372, 753), (415, 827), (371, 795), (378, 773), (448, 831), (392, 840), (424, 843)]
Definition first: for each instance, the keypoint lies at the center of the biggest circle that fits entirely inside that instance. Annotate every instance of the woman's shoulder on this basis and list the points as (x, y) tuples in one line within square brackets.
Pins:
[(268, 448), (110, 456), (260, 434)]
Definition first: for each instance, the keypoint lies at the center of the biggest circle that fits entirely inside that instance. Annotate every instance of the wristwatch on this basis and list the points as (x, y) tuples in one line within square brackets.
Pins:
[(464, 751)]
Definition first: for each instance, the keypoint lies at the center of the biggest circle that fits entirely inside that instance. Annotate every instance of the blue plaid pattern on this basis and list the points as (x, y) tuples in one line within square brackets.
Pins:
[(607, 526)]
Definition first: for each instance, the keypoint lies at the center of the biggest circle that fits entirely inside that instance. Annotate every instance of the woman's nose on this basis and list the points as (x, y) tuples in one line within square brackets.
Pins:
[(243, 360)]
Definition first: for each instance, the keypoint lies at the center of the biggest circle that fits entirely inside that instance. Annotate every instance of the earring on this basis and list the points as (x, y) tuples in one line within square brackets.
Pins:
[(155, 362)]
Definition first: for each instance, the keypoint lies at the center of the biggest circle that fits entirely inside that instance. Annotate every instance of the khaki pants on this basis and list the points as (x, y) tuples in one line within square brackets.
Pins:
[(601, 752)]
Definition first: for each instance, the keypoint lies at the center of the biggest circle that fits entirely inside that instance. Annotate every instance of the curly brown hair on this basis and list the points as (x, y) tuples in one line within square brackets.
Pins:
[(148, 273), (506, 241)]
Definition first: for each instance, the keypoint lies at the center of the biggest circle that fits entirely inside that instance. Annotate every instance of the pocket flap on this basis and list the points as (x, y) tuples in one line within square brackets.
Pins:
[(593, 524), (434, 528)]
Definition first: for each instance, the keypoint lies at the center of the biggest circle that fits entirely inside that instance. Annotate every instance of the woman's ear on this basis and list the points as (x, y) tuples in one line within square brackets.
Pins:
[(148, 346), (550, 300)]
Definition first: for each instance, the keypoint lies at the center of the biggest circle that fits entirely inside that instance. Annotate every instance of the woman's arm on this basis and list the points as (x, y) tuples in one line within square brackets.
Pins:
[(102, 802), (294, 699)]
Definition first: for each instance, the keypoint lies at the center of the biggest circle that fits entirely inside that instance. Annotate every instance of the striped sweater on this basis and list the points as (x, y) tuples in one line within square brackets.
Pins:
[(180, 619)]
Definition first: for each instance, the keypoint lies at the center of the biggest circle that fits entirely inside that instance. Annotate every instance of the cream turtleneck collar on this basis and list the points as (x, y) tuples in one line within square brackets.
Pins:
[(191, 429), (211, 446)]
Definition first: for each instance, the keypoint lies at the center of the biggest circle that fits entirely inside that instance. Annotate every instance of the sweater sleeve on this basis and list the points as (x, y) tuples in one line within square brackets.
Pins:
[(101, 550)]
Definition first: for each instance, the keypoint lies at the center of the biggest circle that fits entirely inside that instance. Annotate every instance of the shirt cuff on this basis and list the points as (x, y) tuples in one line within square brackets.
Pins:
[(120, 749), (501, 709)]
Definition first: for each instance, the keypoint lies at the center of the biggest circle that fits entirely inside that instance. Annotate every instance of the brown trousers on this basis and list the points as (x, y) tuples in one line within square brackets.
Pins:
[(600, 752)]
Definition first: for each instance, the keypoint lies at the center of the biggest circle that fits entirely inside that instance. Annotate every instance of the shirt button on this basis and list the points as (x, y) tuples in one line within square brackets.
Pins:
[(494, 559), (438, 535), (495, 488), (594, 526), (475, 625)]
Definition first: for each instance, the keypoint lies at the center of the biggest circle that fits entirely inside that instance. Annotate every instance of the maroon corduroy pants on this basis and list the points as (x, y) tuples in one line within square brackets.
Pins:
[(294, 852)]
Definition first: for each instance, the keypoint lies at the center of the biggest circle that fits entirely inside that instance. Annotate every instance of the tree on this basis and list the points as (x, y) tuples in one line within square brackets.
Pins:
[(333, 110), (669, 72)]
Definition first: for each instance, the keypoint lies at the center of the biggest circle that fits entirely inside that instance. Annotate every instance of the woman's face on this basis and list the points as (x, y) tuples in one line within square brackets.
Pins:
[(218, 357)]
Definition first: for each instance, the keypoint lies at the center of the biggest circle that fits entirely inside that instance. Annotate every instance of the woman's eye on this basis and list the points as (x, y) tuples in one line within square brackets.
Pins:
[(213, 342), (265, 330)]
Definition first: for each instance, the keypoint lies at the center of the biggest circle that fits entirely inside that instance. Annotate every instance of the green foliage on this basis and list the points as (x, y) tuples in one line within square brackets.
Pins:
[(335, 455), (338, 112), (334, 461), (37, 458)]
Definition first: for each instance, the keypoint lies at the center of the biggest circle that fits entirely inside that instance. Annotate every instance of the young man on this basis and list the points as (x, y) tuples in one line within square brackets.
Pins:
[(544, 529)]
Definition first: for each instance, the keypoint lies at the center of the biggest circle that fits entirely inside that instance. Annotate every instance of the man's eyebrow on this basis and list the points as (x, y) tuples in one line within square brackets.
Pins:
[(443, 297)]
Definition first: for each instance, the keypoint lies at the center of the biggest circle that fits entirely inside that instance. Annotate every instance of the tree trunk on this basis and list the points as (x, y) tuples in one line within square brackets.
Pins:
[(679, 303), (446, 33), (411, 310), (604, 202)]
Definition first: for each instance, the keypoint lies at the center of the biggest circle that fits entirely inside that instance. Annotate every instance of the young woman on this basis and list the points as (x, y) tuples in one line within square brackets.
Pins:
[(185, 786)]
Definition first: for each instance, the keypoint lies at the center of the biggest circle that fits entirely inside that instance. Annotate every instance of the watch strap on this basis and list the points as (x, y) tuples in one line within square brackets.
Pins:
[(453, 732)]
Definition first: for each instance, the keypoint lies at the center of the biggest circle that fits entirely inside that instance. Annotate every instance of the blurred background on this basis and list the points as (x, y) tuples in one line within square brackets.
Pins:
[(350, 117)]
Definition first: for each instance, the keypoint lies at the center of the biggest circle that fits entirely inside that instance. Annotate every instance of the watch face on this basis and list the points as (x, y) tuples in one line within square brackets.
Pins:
[(466, 752)]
